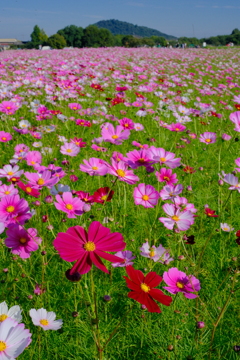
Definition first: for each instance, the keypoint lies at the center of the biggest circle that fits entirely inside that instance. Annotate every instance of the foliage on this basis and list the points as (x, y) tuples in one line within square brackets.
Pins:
[(38, 37), (121, 27), (73, 35), (95, 37), (57, 41)]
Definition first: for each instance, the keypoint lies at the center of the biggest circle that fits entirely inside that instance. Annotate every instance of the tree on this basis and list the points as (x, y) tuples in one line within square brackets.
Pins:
[(38, 37), (235, 31), (73, 35), (57, 41), (91, 36)]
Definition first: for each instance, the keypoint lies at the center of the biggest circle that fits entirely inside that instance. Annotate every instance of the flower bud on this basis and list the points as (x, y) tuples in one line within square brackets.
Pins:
[(48, 199), (75, 277), (200, 324), (107, 298), (44, 218)]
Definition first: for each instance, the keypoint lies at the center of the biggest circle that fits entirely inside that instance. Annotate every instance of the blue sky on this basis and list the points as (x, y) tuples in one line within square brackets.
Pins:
[(200, 18)]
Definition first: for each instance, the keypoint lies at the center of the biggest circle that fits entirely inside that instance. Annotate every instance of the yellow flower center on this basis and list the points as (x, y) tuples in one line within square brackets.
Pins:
[(152, 252), (28, 189), (22, 240), (3, 317), (89, 246), (145, 197), (7, 192), (177, 129), (94, 167), (114, 137), (10, 209), (163, 159), (33, 162), (4, 138), (40, 181), (69, 150), (141, 160), (175, 218), (180, 285), (44, 322), (10, 173), (104, 197), (121, 173), (3, 346), (69, 206), (145, 287), (208, 140), (166, 178)]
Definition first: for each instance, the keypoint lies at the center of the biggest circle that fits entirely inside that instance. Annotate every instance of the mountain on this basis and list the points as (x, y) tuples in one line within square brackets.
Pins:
[(124, 28)]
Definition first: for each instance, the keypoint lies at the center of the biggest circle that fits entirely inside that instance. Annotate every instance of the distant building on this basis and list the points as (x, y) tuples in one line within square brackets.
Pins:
[(6, 43)]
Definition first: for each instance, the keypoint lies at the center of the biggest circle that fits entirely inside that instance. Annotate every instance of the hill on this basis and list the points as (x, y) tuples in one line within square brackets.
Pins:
[(124, 28)]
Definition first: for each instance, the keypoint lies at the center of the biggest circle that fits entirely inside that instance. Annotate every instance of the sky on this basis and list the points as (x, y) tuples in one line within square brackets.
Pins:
[(198, 18)]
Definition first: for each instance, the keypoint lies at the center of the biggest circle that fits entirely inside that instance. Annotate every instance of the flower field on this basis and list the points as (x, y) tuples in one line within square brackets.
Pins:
[(119, 204)]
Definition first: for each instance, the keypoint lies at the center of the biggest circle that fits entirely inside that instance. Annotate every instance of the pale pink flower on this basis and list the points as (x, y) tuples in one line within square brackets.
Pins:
[(182, 220), (69, 149), (120, 169), (146, 195), (208, 137), (114, 136), (94, 166)]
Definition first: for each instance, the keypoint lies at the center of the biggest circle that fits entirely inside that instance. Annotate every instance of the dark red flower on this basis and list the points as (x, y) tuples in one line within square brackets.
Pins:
[(28, 189), (237, 106), (117, 101), (85, 197), (143, 289), (209, 212), (238, 233), (189, 170), (102, 195)]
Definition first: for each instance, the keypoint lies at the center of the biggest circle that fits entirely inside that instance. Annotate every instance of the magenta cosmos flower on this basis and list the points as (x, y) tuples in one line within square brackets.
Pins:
[(21, 241), (74, 106), (114, 136), (12, 209), (34, 158), (138, 158), (4, 136), (38, 180), (178, 281), (94, 166), (146, 195), (183, 220), (68, 204), (208, 138), (176, 127), (87, 248), (120, 170), (164, 157), (69, 149), (167, 176), (8, 107)]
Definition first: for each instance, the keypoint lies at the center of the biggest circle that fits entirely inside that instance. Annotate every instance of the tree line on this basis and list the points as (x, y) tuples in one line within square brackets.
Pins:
[(92, 36)]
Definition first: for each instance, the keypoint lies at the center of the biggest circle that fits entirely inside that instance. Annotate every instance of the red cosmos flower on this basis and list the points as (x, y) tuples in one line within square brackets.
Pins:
[(237, 106), (189, 170), (14, 179), (210, 212), (142, 289), (87, 248), (85, 197), (139, 95), (102, 195), (97, 87), (28, 189), (117, 101)]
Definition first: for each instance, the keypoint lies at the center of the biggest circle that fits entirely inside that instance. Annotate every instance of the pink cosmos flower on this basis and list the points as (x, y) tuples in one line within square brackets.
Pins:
[(69, 149), (120, 169), (21, 241), (10, 171), (5, 136), (8, 107), (178, 281), (182, 204), (13, 209), (167, 176), (176, 127), (170, 191), (233, 181), (79, 142), (33, 158), (127, 258), (39, 180), (86, 248), (208, 138), (21, 148), (74, 106), (155, 253), (117, 156), (138, 127), (98, 148), (146, 195), (226, 137), (237, 161), (94, 166), (114, 136), (182, 220), (144, 146), (127, 124), (137, 158), (71, 206), (6, 190), (164, 157)]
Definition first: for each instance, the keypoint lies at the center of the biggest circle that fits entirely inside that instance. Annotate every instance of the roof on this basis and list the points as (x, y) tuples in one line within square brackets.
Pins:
[(9, 40)]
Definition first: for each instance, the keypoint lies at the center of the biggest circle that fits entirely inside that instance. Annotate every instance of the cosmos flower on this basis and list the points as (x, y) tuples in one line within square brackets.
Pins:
[(120, 169), (145, 195), (87, 248), (44, 319), (208, 138), (94, 166), (102, 195), (69, 149), (178, 281), (114, 136), (127, 258), (5, 136), (14, 313), (182, 220), (142, 289), (71, 206), (167, 176)]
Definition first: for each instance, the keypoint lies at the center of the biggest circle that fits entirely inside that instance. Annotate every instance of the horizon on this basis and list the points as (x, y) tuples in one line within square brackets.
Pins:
[(200, 19)]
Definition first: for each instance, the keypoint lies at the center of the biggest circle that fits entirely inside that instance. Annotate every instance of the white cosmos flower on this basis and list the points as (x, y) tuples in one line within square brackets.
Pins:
[(14, 313), (59, 189), (226, 227), (24, 124), (45, 319), (14, 338)]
